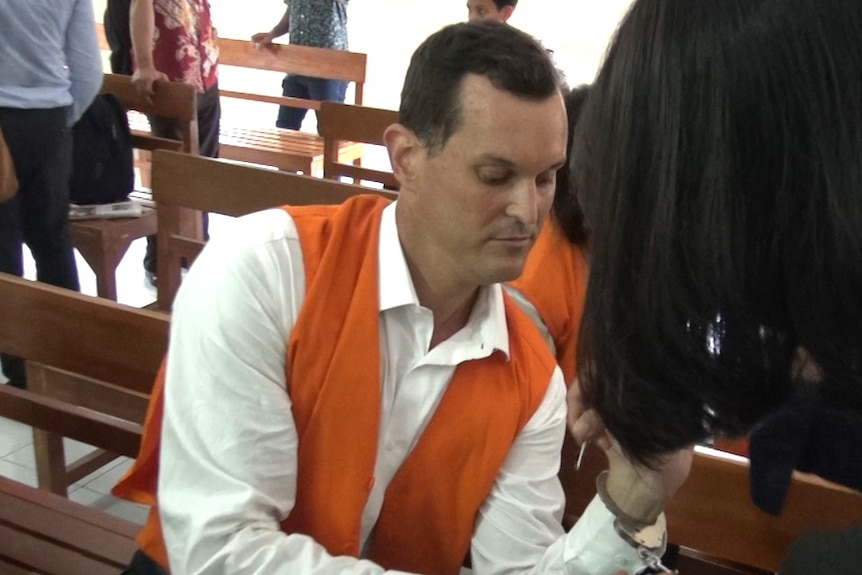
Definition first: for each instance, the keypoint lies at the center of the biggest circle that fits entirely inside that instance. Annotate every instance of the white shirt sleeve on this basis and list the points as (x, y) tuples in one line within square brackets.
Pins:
[(228, 459), (83, 59), (519, 530)]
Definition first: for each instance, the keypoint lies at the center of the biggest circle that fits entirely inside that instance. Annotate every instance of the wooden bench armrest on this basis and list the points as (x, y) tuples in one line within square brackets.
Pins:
[(280, 100)]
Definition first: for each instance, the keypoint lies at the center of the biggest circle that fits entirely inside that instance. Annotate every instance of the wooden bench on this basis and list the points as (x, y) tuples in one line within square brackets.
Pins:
[(104, 242), (183, 182), (342, 123), (90, 364), (712, 517), (47, 534), (288, 150)]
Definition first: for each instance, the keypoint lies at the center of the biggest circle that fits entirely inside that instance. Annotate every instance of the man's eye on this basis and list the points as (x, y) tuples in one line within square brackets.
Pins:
[(495, 178), (547, 180)]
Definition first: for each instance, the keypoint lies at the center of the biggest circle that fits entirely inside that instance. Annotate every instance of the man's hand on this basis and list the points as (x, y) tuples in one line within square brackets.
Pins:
[(143, 80), (639, 491), (262, 40)]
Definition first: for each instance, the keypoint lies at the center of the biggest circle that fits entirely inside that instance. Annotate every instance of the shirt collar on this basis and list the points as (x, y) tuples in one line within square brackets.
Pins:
[(487, 324)]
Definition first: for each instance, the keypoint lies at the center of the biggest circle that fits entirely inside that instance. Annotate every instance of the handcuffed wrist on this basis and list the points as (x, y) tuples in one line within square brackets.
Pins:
[(634, 510)]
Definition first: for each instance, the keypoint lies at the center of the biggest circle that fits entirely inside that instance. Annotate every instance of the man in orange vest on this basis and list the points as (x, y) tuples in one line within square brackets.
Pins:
[(348, 389)]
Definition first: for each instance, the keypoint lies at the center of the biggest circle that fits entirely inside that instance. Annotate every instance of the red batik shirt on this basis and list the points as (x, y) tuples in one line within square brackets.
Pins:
[(185, 47)]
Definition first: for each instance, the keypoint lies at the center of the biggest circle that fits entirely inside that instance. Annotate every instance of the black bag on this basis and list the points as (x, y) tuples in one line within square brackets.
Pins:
[(102, 163)]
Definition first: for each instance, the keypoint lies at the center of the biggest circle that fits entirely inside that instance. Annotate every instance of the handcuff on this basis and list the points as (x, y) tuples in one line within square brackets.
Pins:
[(648, 540)]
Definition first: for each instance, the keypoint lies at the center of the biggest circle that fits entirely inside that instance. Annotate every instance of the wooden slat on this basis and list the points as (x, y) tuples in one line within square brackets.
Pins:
[(341, 123), (289, 59), (280, 100), (697, 563), (7, 568), (69, 420), (359, 174), (47, 557), (263, 189), (183, 182), (146, 141), (44, 533), (87, 464), (81, 334), (101, 396), (357, 123)]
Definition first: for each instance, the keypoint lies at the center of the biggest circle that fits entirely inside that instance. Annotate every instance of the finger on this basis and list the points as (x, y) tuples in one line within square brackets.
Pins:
[(586, 427), (574, 403)]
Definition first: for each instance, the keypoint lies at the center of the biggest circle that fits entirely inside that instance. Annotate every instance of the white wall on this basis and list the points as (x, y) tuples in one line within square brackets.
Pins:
[(389, 30)]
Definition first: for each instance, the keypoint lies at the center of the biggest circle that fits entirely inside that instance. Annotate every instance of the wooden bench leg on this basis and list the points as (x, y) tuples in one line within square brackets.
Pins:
[(47, 447), (50, 462)]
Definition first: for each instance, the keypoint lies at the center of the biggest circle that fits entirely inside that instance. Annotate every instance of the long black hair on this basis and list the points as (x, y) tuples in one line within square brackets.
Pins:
[(566, 208), (722, 190)]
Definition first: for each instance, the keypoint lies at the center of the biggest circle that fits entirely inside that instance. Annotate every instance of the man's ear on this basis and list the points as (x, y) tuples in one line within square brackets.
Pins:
[(506, 12), (405, 152)]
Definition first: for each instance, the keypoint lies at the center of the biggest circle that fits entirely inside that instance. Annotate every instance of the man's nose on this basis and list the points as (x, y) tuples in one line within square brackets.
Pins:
[(524, 204)]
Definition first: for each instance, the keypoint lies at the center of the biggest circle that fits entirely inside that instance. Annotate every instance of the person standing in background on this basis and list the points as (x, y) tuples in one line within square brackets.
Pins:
[(119, 36), (499, 10), (315, 23), (174, 40), (51, 71)]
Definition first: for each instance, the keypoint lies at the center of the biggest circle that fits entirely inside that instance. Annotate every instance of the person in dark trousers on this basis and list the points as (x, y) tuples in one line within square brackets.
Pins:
[(119, 36), (51, 70), (175, 40), (316, 23)]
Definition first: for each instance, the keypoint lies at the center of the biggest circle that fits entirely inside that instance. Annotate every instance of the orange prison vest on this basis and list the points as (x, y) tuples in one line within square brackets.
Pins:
[(555, 282), (333, 375)]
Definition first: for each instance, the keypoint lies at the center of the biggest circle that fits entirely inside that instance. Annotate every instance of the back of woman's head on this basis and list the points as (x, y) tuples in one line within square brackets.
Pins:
[(796, 112), (697, 303)]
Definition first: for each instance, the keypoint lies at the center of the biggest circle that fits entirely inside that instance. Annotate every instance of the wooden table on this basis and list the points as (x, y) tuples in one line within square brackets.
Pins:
[(46, 534)]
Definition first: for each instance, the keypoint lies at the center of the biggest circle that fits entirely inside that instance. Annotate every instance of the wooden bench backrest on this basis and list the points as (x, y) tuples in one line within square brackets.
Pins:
[(299, 60), (185, 182), (339, 123), (174, 100), (92, 339), (713, 513)]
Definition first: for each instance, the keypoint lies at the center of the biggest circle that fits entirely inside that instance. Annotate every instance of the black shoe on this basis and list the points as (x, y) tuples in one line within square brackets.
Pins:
[(152, 278)]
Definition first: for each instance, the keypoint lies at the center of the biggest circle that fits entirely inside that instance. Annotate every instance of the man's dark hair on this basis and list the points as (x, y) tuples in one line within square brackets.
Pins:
[(512, 60), (503, 3), (720, 167)]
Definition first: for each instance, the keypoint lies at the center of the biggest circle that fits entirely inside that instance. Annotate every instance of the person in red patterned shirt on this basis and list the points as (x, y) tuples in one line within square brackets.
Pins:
[(175, 40)]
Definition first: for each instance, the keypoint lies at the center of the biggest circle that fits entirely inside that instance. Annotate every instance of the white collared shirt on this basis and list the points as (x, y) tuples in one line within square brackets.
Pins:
[(229, 442)]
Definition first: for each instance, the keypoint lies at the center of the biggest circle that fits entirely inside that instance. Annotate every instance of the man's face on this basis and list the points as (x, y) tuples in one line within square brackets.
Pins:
[(477, 204), (487, 10)]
